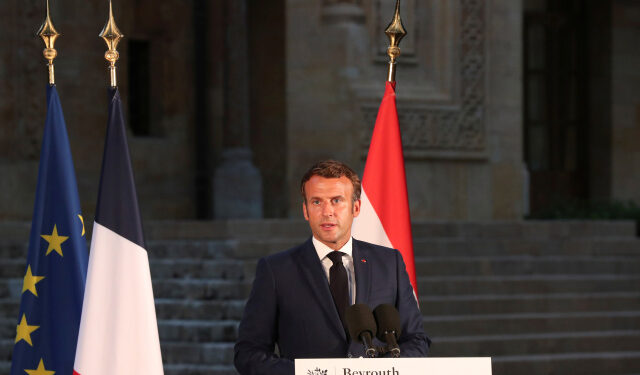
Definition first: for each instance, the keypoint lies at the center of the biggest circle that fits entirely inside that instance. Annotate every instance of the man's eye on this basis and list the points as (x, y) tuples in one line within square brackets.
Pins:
[(315, 202), (336, 200)]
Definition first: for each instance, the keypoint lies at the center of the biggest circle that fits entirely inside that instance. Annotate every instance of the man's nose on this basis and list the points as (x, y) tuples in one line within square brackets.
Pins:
[(327, 209)]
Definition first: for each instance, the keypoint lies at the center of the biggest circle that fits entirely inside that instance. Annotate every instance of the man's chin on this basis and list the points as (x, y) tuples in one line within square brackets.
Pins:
[(327, 240)]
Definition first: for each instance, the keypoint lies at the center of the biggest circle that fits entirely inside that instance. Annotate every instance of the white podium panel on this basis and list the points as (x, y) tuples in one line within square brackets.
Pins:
[(394, 366)]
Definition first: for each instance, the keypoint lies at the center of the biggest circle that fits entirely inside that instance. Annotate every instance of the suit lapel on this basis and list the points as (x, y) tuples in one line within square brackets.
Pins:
[(314, 274), (362, 270)]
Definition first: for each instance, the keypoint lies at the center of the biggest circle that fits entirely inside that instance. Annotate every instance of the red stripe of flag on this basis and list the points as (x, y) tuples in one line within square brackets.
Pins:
[(385, 182)]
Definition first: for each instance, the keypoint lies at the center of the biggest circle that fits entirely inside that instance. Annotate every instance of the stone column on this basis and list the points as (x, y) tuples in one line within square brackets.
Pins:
[(327, 47), (237, 182)]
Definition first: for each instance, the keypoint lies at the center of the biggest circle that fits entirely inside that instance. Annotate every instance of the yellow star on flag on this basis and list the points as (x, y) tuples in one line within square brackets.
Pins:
[(30, 282), (55, 241), (24, 330), (40, 370)]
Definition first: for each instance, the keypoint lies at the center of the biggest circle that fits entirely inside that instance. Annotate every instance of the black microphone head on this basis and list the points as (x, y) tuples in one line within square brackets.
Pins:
[(388, 320), (359, 319)]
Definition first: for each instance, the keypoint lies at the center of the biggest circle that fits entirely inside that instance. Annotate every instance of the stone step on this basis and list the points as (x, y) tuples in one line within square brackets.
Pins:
[(178, 320), (198, 289), (6, 348), (433, 247), (14, 249), (11, 288), (246, 248), (534, 343), (212, 353), (199, 310), (253, 249), (191, 369), (12, 268), (515, 284), (191, 249), (9, 308), (220, 249), (198, 330), (193, 267), (253, 229), (270, 228), (209, 289), (227, 269), (217, 356), (8, 326), (166, 308), (169, 369), (221, 269), (174, 249), (465, 305), (190, 289), (495, 247), (605, 362), (526, 264), (169, 330), (529, 229), (487, 324), (436, 326)]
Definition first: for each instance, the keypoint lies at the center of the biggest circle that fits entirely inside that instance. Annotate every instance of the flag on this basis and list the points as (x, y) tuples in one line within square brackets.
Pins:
[(53, 285), (384, 213), (118, 331)]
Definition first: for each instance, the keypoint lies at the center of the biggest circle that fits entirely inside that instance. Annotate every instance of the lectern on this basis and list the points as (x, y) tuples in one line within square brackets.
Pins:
[(394, 366)]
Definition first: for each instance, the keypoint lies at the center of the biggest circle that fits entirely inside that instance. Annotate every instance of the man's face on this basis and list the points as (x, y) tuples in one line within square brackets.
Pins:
[(330, 210)]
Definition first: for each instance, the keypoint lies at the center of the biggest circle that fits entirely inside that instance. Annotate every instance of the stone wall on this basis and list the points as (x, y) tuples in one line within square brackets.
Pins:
[(458, 92), (162, 163), (459, 99)]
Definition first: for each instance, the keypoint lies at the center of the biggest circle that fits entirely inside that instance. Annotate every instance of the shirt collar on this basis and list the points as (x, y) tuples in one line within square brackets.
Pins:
[(324, 250)]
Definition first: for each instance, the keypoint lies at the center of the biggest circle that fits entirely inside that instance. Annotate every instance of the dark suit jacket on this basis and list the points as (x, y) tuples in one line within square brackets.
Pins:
[(291, 305)]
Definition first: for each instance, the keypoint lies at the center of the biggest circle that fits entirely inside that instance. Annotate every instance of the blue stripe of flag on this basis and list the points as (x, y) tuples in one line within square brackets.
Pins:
[(117, 207)]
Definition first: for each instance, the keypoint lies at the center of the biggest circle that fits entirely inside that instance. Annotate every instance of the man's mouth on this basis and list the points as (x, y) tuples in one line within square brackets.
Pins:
[(327, 226)]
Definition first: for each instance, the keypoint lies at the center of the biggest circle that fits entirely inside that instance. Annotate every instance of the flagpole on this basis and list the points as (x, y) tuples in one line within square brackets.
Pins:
[(385, 217), (49, 34), (111, 35), (395, 31)]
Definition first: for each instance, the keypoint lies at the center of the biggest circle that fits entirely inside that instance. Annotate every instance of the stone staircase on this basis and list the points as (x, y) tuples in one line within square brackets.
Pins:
[(538, 297)]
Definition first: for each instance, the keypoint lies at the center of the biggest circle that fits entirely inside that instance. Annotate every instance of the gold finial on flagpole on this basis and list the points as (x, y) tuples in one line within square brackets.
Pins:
[(49, 34), (395, 31), (111, 35)]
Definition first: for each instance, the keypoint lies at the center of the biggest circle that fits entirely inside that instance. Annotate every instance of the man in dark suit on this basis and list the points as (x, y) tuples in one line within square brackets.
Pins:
[(299, 296)]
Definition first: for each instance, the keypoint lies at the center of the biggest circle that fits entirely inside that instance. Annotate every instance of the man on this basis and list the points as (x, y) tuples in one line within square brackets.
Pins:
[(299, 295)]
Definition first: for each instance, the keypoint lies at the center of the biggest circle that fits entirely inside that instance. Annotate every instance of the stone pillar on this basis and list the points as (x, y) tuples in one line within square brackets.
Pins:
[(625, 96), (237, 182), (327, 48)]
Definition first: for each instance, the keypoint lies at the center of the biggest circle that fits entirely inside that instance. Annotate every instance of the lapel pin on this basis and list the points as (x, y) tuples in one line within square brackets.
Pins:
[(363, 260)]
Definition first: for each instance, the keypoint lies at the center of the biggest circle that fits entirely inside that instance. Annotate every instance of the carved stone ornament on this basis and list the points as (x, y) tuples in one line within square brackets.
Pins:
[(453, 131)]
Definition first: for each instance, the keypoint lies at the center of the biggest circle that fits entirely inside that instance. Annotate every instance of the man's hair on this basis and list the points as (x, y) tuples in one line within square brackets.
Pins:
[(332, 169)]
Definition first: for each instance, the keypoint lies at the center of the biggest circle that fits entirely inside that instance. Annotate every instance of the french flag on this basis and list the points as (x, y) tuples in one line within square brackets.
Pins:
[(384, 212), (118, 328)]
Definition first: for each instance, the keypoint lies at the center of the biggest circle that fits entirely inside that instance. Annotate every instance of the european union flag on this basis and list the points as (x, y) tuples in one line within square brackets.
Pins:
[(56, 269)]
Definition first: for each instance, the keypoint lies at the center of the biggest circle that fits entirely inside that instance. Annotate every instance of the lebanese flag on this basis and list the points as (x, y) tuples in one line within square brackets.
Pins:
[(384, 212), (118, 328)]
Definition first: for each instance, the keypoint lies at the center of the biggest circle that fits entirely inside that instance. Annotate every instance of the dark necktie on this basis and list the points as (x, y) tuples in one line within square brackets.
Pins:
[(338, 283)]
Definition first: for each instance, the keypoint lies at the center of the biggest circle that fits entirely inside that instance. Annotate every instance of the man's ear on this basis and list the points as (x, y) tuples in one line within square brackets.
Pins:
[(356, 208), (304, 211)]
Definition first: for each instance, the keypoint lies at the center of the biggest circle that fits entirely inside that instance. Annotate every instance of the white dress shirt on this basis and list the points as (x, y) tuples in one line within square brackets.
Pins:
[(347, 260)]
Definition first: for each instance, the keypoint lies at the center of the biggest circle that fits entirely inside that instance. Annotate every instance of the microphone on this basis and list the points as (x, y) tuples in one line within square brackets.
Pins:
[(389, 327), (362, 326)]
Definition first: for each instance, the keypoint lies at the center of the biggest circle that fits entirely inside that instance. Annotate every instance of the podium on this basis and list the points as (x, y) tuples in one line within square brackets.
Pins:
[(394, 366)]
